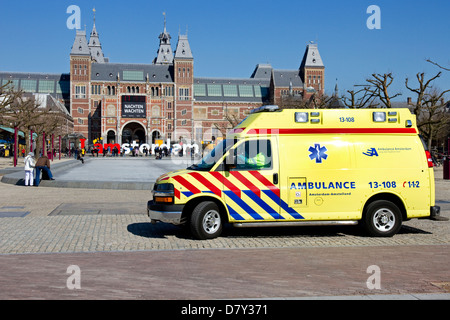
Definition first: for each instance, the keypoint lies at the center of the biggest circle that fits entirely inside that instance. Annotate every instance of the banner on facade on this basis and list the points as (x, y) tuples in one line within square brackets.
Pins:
[(133, 107)]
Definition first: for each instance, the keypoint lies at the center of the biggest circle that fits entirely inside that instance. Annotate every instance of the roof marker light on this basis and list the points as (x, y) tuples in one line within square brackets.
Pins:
[(269, 108), (301, 117), (379, 116)]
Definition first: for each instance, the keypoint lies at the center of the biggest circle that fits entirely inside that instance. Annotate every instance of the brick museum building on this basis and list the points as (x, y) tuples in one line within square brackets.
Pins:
[(162, 99)]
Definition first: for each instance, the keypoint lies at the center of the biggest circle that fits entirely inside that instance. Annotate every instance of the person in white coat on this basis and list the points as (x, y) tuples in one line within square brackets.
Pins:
[(30, 163)]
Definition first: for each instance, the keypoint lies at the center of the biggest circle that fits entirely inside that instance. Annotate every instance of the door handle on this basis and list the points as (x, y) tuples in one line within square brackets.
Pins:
[(275, 178)]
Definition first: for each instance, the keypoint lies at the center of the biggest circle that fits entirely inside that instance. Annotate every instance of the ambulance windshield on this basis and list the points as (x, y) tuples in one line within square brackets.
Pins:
[(209, 160)]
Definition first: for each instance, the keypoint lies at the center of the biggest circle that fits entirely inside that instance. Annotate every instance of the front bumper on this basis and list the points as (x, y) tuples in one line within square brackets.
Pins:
[(165, 213)]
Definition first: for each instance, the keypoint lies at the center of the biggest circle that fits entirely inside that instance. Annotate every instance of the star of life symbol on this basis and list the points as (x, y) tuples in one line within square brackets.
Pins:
[(318, 153)]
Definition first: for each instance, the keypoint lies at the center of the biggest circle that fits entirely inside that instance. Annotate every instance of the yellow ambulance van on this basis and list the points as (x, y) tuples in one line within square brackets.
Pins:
[(305, 167)]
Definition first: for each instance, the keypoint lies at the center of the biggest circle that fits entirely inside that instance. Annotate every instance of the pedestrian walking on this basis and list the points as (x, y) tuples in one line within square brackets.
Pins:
[(30, 163), (80, 156)]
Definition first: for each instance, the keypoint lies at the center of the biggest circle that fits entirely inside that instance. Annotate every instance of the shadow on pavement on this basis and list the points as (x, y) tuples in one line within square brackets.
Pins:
[(163, 230)]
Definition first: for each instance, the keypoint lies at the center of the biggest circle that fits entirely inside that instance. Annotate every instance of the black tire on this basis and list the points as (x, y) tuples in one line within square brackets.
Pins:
[(206, 221), (382, 219)]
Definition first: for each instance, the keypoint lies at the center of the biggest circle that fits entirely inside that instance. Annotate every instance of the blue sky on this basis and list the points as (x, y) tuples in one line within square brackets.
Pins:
[(228, 38)]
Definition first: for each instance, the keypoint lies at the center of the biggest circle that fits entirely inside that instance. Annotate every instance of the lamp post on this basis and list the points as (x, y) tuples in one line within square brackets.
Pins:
[(44, 149), (16, 144), (51, 150), (31, 140)]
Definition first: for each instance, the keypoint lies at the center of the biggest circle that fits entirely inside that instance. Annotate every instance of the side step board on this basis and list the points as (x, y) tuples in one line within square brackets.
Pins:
[(296, 223)]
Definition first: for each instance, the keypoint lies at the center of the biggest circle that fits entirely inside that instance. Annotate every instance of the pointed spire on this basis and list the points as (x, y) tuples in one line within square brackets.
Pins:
[(95, 47), (165, 54)]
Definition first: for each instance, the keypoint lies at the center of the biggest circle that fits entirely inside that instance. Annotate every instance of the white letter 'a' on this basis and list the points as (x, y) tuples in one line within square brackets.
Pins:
[(374, 281), (374, 21), (74, 21), (74, 280)]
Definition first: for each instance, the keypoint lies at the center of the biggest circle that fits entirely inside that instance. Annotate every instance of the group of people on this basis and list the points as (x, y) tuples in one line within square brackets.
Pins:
[(41, 165)]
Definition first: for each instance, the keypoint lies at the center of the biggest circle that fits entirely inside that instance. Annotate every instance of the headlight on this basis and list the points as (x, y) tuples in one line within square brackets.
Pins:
[(163, 193)]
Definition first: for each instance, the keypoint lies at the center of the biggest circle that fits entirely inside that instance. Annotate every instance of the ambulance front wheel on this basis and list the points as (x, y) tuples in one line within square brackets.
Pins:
[(382, 219), (206, 222)]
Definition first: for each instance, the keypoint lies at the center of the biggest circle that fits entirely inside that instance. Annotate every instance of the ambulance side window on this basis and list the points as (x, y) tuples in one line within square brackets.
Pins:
[(253, 155)]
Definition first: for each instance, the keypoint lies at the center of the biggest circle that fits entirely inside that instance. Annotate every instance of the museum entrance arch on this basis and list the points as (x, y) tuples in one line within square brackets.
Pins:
[(133, 131), (111, 137)]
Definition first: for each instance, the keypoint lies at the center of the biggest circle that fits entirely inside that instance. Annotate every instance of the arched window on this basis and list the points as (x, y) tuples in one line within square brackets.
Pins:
[(109, 90)]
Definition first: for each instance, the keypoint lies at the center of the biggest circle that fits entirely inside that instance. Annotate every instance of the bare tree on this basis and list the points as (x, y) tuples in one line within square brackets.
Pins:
[(378, 88), (26, 113), (232, 120), (438, 65), (52, 124), (319, 101), (293, 102), (424, 85), (430, 107), (7, 96), (356, 100), (433, 117)]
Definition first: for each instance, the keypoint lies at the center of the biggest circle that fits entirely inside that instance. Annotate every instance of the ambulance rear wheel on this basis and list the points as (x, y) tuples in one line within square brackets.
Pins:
[(206, 222), (382, 219)]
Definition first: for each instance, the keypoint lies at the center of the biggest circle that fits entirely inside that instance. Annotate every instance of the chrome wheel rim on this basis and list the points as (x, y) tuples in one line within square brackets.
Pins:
[(211, 221), (384, 220)]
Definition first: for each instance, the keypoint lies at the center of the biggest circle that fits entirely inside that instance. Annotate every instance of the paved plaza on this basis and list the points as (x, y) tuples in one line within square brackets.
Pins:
[(106, 232)]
